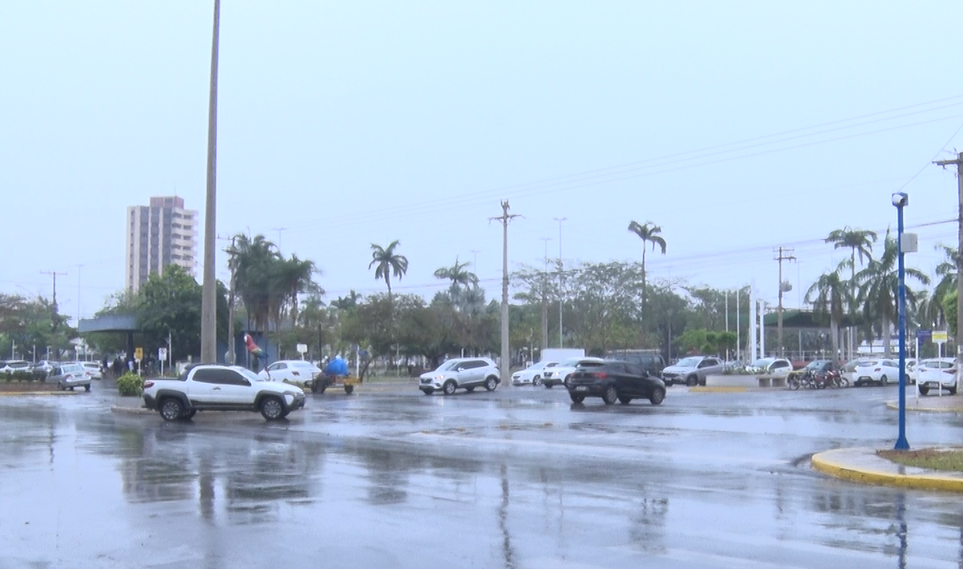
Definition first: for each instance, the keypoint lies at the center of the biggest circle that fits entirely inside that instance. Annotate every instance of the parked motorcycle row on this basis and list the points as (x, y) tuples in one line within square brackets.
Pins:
[(808, 379)]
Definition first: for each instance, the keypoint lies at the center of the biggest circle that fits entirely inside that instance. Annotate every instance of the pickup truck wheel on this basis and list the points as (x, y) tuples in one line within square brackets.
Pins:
[(536, 381), (625, 400), (349, 389), (272, 409), (610, 395), (171, 409), (657, 396), (576, 398), (692, 381), (491, 383), (449, 387), (924, 389)]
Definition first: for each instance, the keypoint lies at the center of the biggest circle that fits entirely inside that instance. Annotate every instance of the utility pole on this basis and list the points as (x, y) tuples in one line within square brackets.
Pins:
[(505, 364), (959, 263), (53, 316), (783, 255), (209, 289), (544, 343), (560, 284)]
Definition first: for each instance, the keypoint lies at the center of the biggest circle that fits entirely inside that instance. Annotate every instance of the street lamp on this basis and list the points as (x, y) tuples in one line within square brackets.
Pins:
[(560, 220), (901, 200)]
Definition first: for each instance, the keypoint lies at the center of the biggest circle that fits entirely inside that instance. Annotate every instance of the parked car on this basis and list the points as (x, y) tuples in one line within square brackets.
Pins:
[(649, 360), (10, 366), (94, 369), (936, 373), (776, 367), (43, 366), (221, 388), (878, 371), (460, 373), (613, 381), (692, 370), (69, 376), (532, 375), (562, 371), (296, 372)]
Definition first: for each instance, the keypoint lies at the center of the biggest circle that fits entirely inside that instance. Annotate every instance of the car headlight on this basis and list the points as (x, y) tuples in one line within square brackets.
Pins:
[(289, 397), (439, 377)]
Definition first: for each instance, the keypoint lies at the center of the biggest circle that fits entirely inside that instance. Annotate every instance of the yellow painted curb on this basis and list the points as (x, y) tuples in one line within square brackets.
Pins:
[(718, 389), (824, 462), (895, 406), (18, 393)]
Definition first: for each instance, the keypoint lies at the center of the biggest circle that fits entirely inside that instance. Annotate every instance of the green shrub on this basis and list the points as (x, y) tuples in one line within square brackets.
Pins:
[(130, 385), (22, 376)]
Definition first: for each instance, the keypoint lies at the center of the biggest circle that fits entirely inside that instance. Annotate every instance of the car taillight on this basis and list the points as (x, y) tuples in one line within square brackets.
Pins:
[(950, 371), (878, 369), (600, 374), (296, 374), (148, 384)]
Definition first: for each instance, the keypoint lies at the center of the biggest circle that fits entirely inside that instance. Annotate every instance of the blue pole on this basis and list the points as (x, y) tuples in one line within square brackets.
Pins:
[(901, 442)]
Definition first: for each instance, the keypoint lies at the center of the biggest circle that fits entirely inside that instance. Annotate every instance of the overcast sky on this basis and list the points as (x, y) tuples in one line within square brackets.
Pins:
[(737, 127)]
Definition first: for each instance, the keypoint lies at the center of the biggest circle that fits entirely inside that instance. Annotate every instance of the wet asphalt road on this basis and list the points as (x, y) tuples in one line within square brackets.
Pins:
[(515, 478)]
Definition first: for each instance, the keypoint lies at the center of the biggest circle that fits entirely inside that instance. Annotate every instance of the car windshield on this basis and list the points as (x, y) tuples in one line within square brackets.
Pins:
[(450, 364), (572, 362), (816, 364), (689, 362), (868, 363), (72, 368)]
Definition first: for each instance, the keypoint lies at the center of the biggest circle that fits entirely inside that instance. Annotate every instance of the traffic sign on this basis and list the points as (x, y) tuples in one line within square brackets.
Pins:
[(939, 336), (923, 335), (138, 354), (162, 354), (302, 348)]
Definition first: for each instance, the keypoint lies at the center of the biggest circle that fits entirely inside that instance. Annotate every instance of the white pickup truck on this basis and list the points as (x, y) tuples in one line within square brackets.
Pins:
[(222, 388)]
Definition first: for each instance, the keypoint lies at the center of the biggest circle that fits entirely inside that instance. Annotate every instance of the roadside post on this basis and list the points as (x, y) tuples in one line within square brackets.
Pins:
[(939, 338), (923, 335), (161, 356), (900, 201)]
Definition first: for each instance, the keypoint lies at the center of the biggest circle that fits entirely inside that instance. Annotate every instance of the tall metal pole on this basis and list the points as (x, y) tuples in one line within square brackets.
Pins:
[(900, 200), (209, 290), (544, 342), (560, 299), (958, 162), (781, 258)]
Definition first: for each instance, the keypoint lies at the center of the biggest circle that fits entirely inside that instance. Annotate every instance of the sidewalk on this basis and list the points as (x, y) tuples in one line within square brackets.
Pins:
[(864, 465)]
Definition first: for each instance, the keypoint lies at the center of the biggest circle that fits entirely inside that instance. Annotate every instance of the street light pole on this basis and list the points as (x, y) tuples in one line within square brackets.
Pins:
[(209, 288), (560, 220), (901, 200)]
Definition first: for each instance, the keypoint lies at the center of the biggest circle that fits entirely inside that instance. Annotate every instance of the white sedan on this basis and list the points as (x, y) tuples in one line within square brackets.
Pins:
[(532, 375), (879, 372), (936, 373), (295, 372), (776, 367)]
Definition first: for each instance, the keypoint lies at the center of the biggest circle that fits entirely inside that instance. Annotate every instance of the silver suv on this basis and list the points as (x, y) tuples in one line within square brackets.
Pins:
[(461, 373)]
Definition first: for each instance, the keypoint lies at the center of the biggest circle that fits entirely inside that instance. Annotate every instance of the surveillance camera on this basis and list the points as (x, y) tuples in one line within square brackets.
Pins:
[(900, 199)]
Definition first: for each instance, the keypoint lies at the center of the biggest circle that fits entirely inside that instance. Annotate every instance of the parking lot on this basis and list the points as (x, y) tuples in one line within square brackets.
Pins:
[(518, 477)]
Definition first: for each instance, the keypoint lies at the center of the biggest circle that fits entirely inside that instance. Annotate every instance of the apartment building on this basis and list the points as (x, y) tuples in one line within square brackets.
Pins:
[(160, 235)]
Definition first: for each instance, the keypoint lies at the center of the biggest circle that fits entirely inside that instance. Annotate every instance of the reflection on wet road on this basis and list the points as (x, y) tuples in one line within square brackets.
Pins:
[(514, 478)]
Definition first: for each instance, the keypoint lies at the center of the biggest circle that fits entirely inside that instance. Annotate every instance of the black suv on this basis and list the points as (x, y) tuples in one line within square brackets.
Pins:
[(615, 381), (649, 360)]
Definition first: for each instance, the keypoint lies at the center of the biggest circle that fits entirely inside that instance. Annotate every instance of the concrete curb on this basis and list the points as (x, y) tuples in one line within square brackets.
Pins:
[(894, 405), (834, 463)]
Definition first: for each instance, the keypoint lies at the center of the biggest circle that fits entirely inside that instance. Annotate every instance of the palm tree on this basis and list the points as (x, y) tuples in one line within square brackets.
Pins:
[(860, 241), (648, 233), (386, 262), (879, 288), (253, 262), (459, 278), (830, 295)]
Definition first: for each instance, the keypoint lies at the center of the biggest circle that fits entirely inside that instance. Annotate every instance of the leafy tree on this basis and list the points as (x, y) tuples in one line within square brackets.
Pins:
[(605, 302), (255, 265), (949, 307), (648, 233), (26, 324), (459, 277)]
